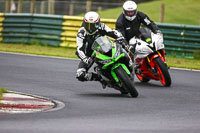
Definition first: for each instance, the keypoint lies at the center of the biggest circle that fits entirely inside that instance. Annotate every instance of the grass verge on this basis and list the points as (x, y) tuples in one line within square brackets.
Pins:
[(183, 63), (174, 10), (39, 50), (70, 53)]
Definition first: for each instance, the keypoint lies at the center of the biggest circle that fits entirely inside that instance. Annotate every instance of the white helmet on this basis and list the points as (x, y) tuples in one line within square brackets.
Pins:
[(91, 22), (130, 10)]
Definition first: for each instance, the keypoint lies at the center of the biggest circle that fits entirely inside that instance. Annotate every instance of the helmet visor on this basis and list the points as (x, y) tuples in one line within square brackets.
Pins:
[(130, 13), (91, 27)]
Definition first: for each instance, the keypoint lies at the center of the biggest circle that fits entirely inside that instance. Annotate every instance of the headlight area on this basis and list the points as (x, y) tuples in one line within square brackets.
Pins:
[(118, 53), (105, 61)]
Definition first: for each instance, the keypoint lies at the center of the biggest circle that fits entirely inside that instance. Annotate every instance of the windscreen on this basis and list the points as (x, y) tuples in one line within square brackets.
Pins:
[(102, 45)]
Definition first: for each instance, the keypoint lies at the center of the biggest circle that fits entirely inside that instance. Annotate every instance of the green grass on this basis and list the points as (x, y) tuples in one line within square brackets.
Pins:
[(70, 53), (39, 50), (176, 11), (183, 63)]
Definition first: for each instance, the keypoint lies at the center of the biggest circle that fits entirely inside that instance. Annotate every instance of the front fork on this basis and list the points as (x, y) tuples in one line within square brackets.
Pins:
[(116, 66), (159, 53)]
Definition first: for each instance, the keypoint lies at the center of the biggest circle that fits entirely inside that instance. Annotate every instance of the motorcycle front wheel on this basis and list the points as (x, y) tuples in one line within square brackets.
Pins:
[(162, 72), (127, 83)]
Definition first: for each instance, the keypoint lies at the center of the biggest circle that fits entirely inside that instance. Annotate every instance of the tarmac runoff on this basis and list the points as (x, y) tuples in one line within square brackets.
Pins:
[(15, 103)]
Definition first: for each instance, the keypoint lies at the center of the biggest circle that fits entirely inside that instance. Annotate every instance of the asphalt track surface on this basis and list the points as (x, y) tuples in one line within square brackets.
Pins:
[(91, 109)]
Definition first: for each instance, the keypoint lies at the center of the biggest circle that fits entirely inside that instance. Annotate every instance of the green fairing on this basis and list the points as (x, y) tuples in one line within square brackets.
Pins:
[(113, 61), (126, 69), (114, 74), (114, 50), (104, 57), (108, 64)]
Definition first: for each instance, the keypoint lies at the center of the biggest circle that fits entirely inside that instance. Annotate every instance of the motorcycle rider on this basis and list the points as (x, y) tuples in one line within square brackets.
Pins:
[(91, 29), (129, 22)]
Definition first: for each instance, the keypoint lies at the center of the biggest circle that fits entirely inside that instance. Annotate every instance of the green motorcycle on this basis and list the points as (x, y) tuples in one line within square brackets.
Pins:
[(112, 65)]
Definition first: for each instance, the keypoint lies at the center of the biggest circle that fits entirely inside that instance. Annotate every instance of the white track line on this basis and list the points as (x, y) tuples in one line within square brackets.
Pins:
[(184, 69), (45, 56), (65, 58)]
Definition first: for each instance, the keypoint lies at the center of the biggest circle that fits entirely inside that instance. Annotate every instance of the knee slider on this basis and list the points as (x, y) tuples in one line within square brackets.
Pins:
[(80, 74)]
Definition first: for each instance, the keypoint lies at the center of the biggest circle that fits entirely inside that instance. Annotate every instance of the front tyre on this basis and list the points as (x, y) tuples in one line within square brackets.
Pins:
[(126, 81), (162, 72)]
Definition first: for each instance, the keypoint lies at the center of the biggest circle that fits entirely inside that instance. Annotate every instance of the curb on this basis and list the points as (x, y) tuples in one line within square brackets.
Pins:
[(16, 102)]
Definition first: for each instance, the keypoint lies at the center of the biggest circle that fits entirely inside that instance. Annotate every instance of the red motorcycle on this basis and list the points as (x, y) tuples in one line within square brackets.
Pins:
[(149, 59)]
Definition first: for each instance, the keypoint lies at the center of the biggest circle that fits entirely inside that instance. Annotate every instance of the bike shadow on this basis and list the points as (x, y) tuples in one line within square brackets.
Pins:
[(108, 95), (150, 85)]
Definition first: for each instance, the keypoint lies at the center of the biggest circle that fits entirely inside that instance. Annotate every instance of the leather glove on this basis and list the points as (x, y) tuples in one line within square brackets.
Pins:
[(127, 48), (158, 32), (120, 39), (132, 48), (123, 42), (88, 60)]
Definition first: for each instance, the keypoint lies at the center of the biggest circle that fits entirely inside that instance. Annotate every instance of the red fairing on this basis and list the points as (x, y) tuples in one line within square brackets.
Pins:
[(142, 62), (144, 69), (161, 53)]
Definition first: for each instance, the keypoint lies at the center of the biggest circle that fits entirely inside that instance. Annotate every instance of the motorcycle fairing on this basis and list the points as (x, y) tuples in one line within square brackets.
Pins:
[(116, 66), (143, 48), (107, 61)]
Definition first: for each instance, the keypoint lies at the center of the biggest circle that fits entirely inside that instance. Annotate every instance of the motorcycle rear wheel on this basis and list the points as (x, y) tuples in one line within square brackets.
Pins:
[(162, 71), (127, 83)]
